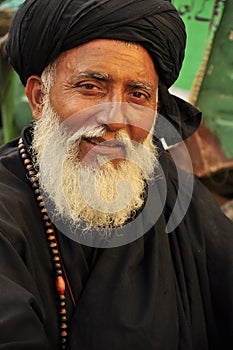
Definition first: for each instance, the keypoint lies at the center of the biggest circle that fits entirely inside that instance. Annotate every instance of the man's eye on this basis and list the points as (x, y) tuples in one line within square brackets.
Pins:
[(88, 86), (140, 95)]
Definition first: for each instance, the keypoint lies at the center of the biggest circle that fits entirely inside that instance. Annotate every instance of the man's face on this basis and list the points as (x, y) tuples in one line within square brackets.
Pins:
[(102, 103), (119, 76)]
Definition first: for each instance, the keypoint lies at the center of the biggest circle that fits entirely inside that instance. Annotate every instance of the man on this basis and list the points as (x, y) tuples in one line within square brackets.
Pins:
[(88, 195)]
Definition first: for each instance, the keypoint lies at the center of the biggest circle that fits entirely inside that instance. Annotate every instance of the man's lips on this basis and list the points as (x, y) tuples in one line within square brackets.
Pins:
[(98, 141), (91, 147)]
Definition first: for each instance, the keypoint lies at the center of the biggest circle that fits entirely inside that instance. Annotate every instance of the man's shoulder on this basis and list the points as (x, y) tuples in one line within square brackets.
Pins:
[(193, 201), (11, 165), (8, 148), (19, 213), (16, 196), (9, 153)]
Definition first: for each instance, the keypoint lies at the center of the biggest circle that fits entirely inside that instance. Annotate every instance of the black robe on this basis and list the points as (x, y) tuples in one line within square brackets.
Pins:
[(160, 292)]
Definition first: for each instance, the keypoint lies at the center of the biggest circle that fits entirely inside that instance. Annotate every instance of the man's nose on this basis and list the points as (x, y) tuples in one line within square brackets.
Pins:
[(113, 115)]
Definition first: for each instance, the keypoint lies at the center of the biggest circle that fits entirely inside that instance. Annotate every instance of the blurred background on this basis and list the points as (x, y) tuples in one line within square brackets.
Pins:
[(206, 80)]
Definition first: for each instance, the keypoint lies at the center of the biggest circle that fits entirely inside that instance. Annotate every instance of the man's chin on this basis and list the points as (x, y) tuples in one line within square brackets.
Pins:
[(102, 197), (102, 162)]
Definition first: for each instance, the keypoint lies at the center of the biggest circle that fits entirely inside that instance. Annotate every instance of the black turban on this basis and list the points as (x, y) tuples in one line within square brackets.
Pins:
[(42, 29)]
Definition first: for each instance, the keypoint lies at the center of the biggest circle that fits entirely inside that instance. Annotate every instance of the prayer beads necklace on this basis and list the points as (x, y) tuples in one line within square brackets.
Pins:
[(58, 266)]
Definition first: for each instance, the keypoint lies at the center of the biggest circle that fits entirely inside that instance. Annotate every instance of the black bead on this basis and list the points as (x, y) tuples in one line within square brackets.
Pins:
[(56, 258), (21, 145), (51, 238), (27, 161), (29, 167), (63, 318), (24, 156), (33, 178), (48, 224), (58, 272), (49, 231), (35, 185)]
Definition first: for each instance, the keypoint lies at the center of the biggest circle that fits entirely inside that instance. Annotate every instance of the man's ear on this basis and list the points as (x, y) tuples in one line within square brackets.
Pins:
[(34, 94)]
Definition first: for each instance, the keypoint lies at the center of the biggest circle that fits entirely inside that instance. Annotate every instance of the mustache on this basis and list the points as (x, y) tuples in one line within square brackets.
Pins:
[(86, 132), (96, 131)]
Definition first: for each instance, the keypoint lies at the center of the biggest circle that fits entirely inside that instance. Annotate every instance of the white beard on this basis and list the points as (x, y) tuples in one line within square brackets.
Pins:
[(103, 196)]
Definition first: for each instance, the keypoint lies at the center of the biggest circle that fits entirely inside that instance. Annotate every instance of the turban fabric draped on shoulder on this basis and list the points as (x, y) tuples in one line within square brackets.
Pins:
[(42, 29)]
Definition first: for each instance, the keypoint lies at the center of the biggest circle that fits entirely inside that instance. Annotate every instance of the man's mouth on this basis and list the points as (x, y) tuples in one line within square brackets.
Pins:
[(93, 147), (104, 143)]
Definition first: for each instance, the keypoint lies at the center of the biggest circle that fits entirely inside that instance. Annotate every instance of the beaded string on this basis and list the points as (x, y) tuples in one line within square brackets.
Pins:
[(61, 277)]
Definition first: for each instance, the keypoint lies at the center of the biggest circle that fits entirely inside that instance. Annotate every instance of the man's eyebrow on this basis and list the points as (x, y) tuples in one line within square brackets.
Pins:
[(105, 77), (94, 75), (141, 85)]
